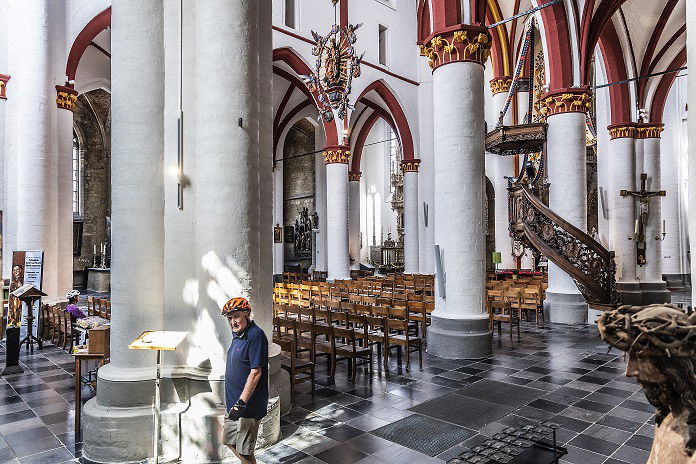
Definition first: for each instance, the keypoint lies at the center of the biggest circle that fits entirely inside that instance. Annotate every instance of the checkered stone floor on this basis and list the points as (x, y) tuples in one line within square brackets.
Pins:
[(558, 373)]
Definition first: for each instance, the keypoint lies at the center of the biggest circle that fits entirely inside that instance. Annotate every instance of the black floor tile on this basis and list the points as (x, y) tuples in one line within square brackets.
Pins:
[(594, 444), (619, 423), (341, 454)]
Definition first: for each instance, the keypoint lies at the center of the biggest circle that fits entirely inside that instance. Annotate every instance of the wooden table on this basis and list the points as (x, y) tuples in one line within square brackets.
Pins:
[(79, 357)]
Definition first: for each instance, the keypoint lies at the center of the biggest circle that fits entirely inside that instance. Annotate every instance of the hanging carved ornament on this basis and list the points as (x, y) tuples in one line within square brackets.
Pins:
[(336, 66)]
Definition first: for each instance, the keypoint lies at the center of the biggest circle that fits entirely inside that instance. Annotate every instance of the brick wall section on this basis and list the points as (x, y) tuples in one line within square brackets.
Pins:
[(92, 122)]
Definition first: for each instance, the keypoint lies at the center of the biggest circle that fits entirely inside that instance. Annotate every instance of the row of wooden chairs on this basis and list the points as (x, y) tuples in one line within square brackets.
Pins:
[(99, 307), (57, 326), (385, 331)]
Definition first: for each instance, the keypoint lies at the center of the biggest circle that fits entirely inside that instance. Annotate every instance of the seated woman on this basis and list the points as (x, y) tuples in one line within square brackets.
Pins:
[(73, 297)]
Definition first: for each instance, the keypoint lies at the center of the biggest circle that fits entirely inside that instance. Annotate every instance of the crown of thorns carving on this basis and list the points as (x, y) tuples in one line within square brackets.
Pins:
[(655, 330)]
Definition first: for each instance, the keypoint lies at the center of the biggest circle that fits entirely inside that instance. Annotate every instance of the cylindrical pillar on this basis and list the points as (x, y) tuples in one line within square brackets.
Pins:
[(6, 256), (123, 402), (66, 98), (653, 287), (354, 221), (504, 166), (29, 177), (691, 57), (567, 171), (459, 323), (622, 213), (338, 260), (411, 240)]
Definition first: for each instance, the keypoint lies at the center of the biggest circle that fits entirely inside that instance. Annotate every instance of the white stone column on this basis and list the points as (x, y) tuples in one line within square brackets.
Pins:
[(66, 98), (622, 211), (336, 160), (123, 406), (459, 323), (6, 255), (354, 218), (278, 250), (30, 190), (567, 171), (411, 203), (503, 166), (691, 57), (653, 287)]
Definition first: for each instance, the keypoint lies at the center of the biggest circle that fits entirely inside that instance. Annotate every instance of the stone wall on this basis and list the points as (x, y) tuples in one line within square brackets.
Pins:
[(92, 123), (298, 176)]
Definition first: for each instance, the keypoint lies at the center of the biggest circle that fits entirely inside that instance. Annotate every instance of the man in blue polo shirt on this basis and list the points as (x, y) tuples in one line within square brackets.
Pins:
[(246, 381)]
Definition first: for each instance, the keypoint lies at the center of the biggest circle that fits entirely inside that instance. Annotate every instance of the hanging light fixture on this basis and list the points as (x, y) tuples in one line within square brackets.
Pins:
[(336, 66)]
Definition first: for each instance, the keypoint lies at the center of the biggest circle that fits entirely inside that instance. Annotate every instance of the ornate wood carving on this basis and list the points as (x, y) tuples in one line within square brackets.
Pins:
[(513, 140), (66, 97), (585, 260)]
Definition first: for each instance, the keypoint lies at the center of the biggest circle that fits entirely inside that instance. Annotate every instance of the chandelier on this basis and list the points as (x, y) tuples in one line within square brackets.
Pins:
[(336, 66)]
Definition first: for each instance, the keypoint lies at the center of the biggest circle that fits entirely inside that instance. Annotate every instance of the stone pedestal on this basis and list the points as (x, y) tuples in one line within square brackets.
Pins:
[(98, 280)]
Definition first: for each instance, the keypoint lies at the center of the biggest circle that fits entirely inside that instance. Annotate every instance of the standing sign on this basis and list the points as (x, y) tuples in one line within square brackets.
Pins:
[(27, 268)]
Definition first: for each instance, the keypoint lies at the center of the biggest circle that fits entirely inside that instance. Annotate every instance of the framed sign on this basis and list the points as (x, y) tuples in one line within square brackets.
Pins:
[(277, 234), (27, 268)]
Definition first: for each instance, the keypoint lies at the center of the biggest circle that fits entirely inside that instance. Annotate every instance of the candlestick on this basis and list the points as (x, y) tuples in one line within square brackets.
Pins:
[(95, 248), (636, 228)]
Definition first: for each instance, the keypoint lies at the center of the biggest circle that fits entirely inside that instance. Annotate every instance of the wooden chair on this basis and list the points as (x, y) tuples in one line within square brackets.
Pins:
[(300, 370), (499, 312), (398, 336), (349, 350)]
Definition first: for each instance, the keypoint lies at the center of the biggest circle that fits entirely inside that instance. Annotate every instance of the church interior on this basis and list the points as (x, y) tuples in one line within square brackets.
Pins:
[(481, 206)]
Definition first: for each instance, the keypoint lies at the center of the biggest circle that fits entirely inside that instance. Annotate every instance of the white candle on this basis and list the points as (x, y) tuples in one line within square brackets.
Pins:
[(664, 227), (95, 248), (636, 228)]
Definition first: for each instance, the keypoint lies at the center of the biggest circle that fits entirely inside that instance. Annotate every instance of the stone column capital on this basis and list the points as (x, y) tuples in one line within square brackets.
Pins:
[(649, 131), (3, 85), (457, 43), (569, 100), (500, 84), (354, 176), (622, 131), (411, 165), (66, 97), (336, 155)]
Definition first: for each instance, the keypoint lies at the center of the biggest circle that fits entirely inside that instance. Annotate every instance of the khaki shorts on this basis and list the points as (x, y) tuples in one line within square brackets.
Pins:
[(241, 434)]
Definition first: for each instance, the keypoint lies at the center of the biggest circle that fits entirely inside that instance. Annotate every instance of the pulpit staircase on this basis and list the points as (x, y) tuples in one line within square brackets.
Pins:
[(537, 227), (532, 222)]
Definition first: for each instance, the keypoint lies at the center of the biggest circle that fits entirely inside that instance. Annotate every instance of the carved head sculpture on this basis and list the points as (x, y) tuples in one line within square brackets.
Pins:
[(661, 343)]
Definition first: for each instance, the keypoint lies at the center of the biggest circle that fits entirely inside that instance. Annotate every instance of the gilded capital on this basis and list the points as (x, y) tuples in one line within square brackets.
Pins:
[(462, 43), (3, 85), (501, 84), (336, 155), (66, 97), (622, 131), (354, 176), (573, 100), (410, 165), (649, 131)]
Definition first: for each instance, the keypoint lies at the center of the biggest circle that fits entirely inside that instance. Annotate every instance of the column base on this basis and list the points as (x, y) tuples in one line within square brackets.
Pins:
[(655, 292), (118, 425), (565, 308), (629, 293), (677, 281), (460, 338)]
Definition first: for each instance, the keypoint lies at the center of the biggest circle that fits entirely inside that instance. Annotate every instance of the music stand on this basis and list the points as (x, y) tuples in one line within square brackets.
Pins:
[(28, 294), (160, 341)]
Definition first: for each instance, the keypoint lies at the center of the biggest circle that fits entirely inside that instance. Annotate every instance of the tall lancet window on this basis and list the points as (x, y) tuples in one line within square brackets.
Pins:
[(290, 14), (76, 176)]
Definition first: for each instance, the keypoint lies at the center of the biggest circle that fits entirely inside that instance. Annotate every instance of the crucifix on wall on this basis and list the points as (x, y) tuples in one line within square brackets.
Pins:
[(644, 197)]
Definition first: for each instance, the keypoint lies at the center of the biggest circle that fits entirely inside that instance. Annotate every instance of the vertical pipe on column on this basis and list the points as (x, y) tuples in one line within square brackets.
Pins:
[(137, 177), (336, 160), (411, 246), (226, 157), (653, 232)]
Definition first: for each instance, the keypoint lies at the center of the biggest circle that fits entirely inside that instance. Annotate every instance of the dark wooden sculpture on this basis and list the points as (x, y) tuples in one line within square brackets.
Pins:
[(661, 343)]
